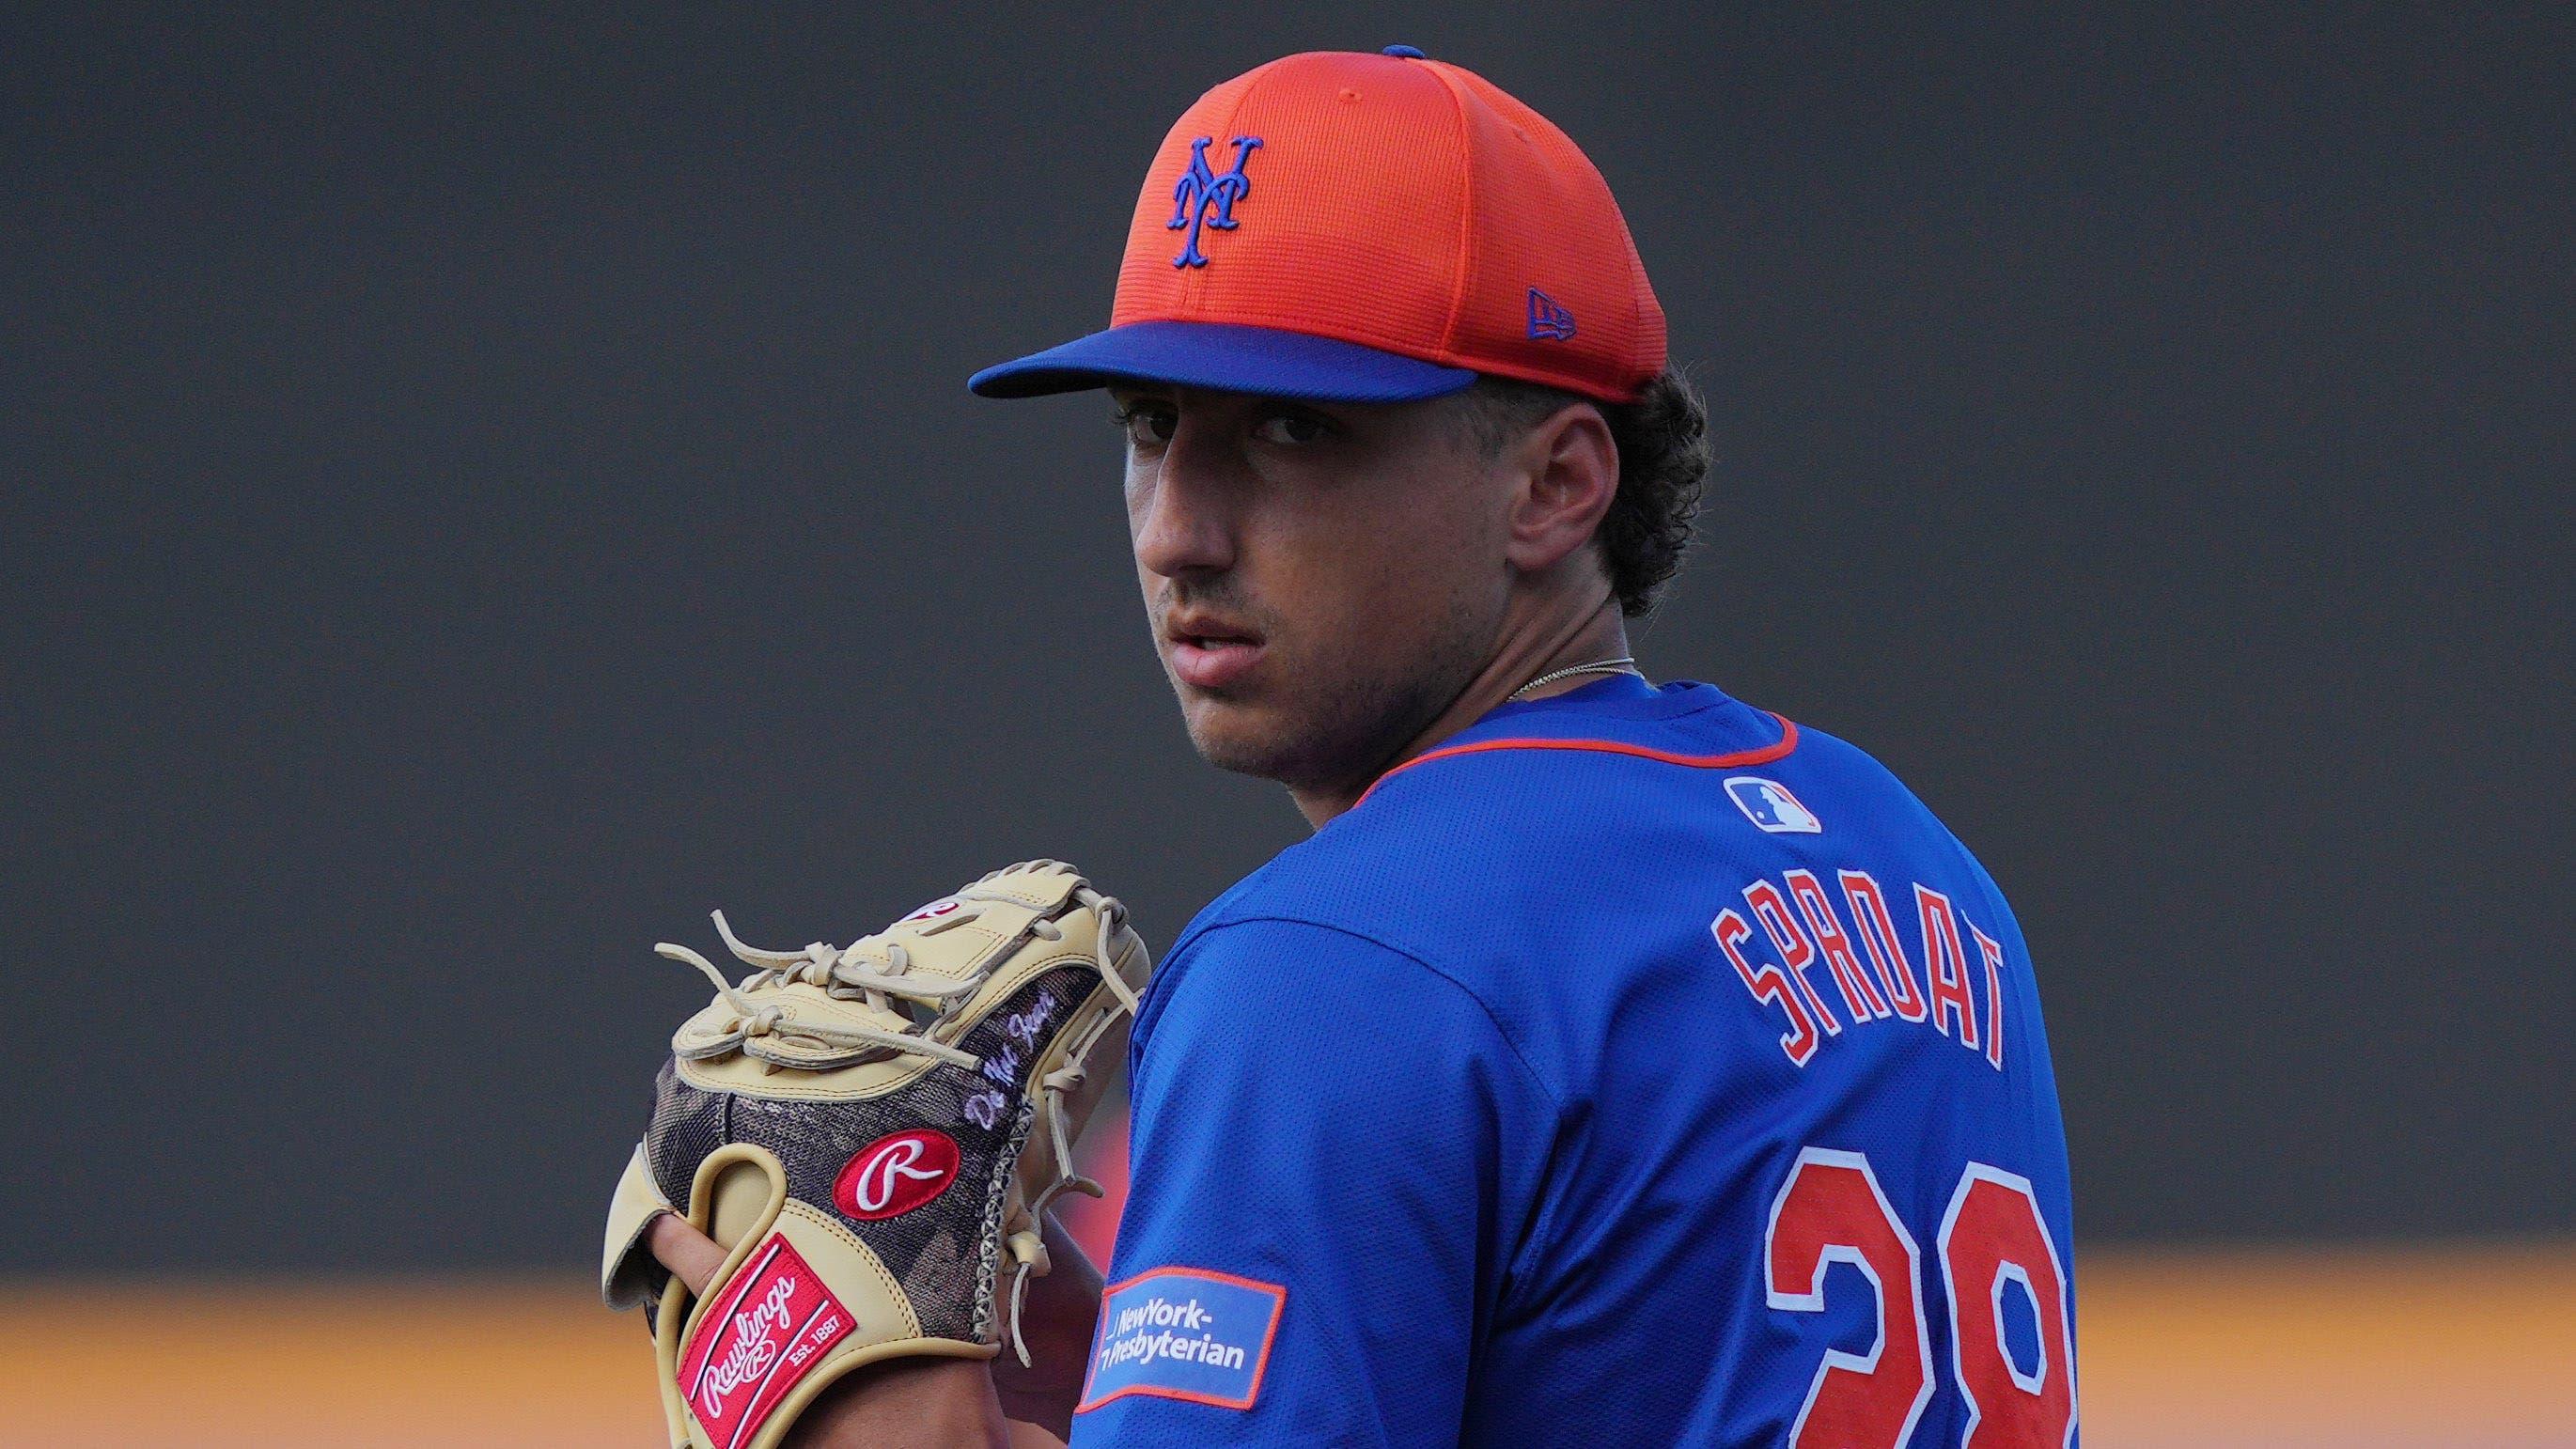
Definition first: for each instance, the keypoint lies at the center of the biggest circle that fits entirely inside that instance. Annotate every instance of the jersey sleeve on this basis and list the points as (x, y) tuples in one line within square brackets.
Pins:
[(1335, 1149)]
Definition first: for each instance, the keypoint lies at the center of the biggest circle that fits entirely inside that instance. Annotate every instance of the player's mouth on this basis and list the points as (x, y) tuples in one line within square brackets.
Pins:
[(1208, 652)]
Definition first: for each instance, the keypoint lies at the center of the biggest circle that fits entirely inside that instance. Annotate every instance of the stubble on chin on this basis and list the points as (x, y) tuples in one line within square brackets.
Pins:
[(1337, 735)]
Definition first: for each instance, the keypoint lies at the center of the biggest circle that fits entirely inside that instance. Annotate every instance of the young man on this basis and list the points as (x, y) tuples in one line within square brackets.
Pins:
[(1616, 1063)]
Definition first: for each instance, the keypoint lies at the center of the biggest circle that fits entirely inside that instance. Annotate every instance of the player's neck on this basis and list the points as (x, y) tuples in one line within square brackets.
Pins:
[(1528, 649)]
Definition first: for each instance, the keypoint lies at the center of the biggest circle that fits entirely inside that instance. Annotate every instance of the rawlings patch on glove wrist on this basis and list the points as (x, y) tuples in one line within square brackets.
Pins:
[(769, 1329)]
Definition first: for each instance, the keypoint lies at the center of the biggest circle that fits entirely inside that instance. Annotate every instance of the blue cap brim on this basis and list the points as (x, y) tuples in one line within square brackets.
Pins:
[(1226, 357)]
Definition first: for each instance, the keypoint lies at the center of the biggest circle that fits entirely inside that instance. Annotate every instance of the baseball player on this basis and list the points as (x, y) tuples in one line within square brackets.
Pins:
[(1618, 1062)]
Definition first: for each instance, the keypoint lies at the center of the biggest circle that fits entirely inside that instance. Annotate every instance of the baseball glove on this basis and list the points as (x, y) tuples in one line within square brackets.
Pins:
[(872, 1132)]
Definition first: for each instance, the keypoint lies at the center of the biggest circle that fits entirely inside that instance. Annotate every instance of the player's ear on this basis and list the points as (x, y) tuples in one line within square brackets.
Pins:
[(1565, 471)]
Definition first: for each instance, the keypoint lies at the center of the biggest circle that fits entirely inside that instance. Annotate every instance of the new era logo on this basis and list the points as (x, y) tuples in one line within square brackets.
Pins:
[(1769, 804), (1547, 319)]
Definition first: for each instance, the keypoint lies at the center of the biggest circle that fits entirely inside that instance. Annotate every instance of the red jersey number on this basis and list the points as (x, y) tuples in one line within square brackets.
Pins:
[(1993, 1244), (1831, 1210)]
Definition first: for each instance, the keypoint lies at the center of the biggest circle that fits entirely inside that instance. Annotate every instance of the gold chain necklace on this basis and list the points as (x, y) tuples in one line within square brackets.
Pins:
[(1624, 664)]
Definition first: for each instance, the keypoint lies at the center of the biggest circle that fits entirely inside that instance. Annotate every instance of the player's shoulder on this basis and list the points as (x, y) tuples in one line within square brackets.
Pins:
[(1444, 844), (1622, 763), (1614, 787), (1273, 958)]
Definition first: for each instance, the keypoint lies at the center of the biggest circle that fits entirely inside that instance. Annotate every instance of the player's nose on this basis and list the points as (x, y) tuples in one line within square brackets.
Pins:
[(1180, 512)]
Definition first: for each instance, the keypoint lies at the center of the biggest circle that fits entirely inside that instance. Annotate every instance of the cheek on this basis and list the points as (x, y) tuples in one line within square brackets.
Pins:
[(1386, 578), (1139, 493)]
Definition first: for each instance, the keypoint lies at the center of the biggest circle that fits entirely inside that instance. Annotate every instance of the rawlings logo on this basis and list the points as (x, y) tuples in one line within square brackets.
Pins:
[(754, 1351), (770, 1328), (1200, 188), (895, 1174)]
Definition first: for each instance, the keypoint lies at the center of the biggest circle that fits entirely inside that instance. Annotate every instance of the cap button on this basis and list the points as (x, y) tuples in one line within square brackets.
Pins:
[(1405, 52)]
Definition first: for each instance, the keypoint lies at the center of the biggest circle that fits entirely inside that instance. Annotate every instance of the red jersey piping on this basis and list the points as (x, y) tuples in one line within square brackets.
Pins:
[(1762, 756)]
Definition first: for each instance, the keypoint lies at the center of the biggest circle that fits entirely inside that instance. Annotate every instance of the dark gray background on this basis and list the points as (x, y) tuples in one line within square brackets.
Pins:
[(481, 491)]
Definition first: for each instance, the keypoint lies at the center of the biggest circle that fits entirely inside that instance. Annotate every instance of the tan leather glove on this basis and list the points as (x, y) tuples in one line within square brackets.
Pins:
[(872, 1131)]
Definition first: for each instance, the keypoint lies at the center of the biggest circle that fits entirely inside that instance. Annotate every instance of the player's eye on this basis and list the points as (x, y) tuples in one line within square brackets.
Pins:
[(1293, 428), (1147, 423)]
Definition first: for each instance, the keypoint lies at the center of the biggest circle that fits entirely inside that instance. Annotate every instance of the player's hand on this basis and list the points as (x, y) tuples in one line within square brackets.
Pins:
[(1057, 1321), (688, 1253)]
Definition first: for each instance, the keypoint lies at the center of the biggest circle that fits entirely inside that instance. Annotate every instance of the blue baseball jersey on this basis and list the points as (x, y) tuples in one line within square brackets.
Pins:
[(1634, 1068)]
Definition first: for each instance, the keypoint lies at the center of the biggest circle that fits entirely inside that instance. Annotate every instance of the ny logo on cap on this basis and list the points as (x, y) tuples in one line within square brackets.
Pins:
[(1200, 188)]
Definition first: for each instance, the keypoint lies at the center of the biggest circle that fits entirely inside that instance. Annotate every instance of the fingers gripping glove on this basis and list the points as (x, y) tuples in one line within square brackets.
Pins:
[(872, 1132)]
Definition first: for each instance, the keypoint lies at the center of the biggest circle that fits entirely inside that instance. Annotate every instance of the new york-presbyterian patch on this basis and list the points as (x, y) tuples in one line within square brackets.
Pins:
[(1183, 1333)]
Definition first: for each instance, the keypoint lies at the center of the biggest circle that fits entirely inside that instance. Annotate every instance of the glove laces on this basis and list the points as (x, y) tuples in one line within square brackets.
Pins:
[(1028, 1249), (848, 972)]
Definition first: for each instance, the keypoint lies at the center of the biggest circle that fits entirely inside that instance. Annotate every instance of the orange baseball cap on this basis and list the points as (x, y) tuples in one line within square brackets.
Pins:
[(1366, 228)]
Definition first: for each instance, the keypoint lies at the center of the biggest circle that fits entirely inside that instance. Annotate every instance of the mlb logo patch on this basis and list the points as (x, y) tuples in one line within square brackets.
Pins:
[(1769, 804), (1183, 1333)]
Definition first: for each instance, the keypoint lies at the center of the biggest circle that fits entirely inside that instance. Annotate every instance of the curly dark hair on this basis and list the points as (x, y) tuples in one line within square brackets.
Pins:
[(1663, 464)]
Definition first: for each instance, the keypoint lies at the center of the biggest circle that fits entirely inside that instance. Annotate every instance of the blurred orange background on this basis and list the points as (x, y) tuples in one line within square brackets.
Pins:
[(2420, 1347), (2460, 1348)]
